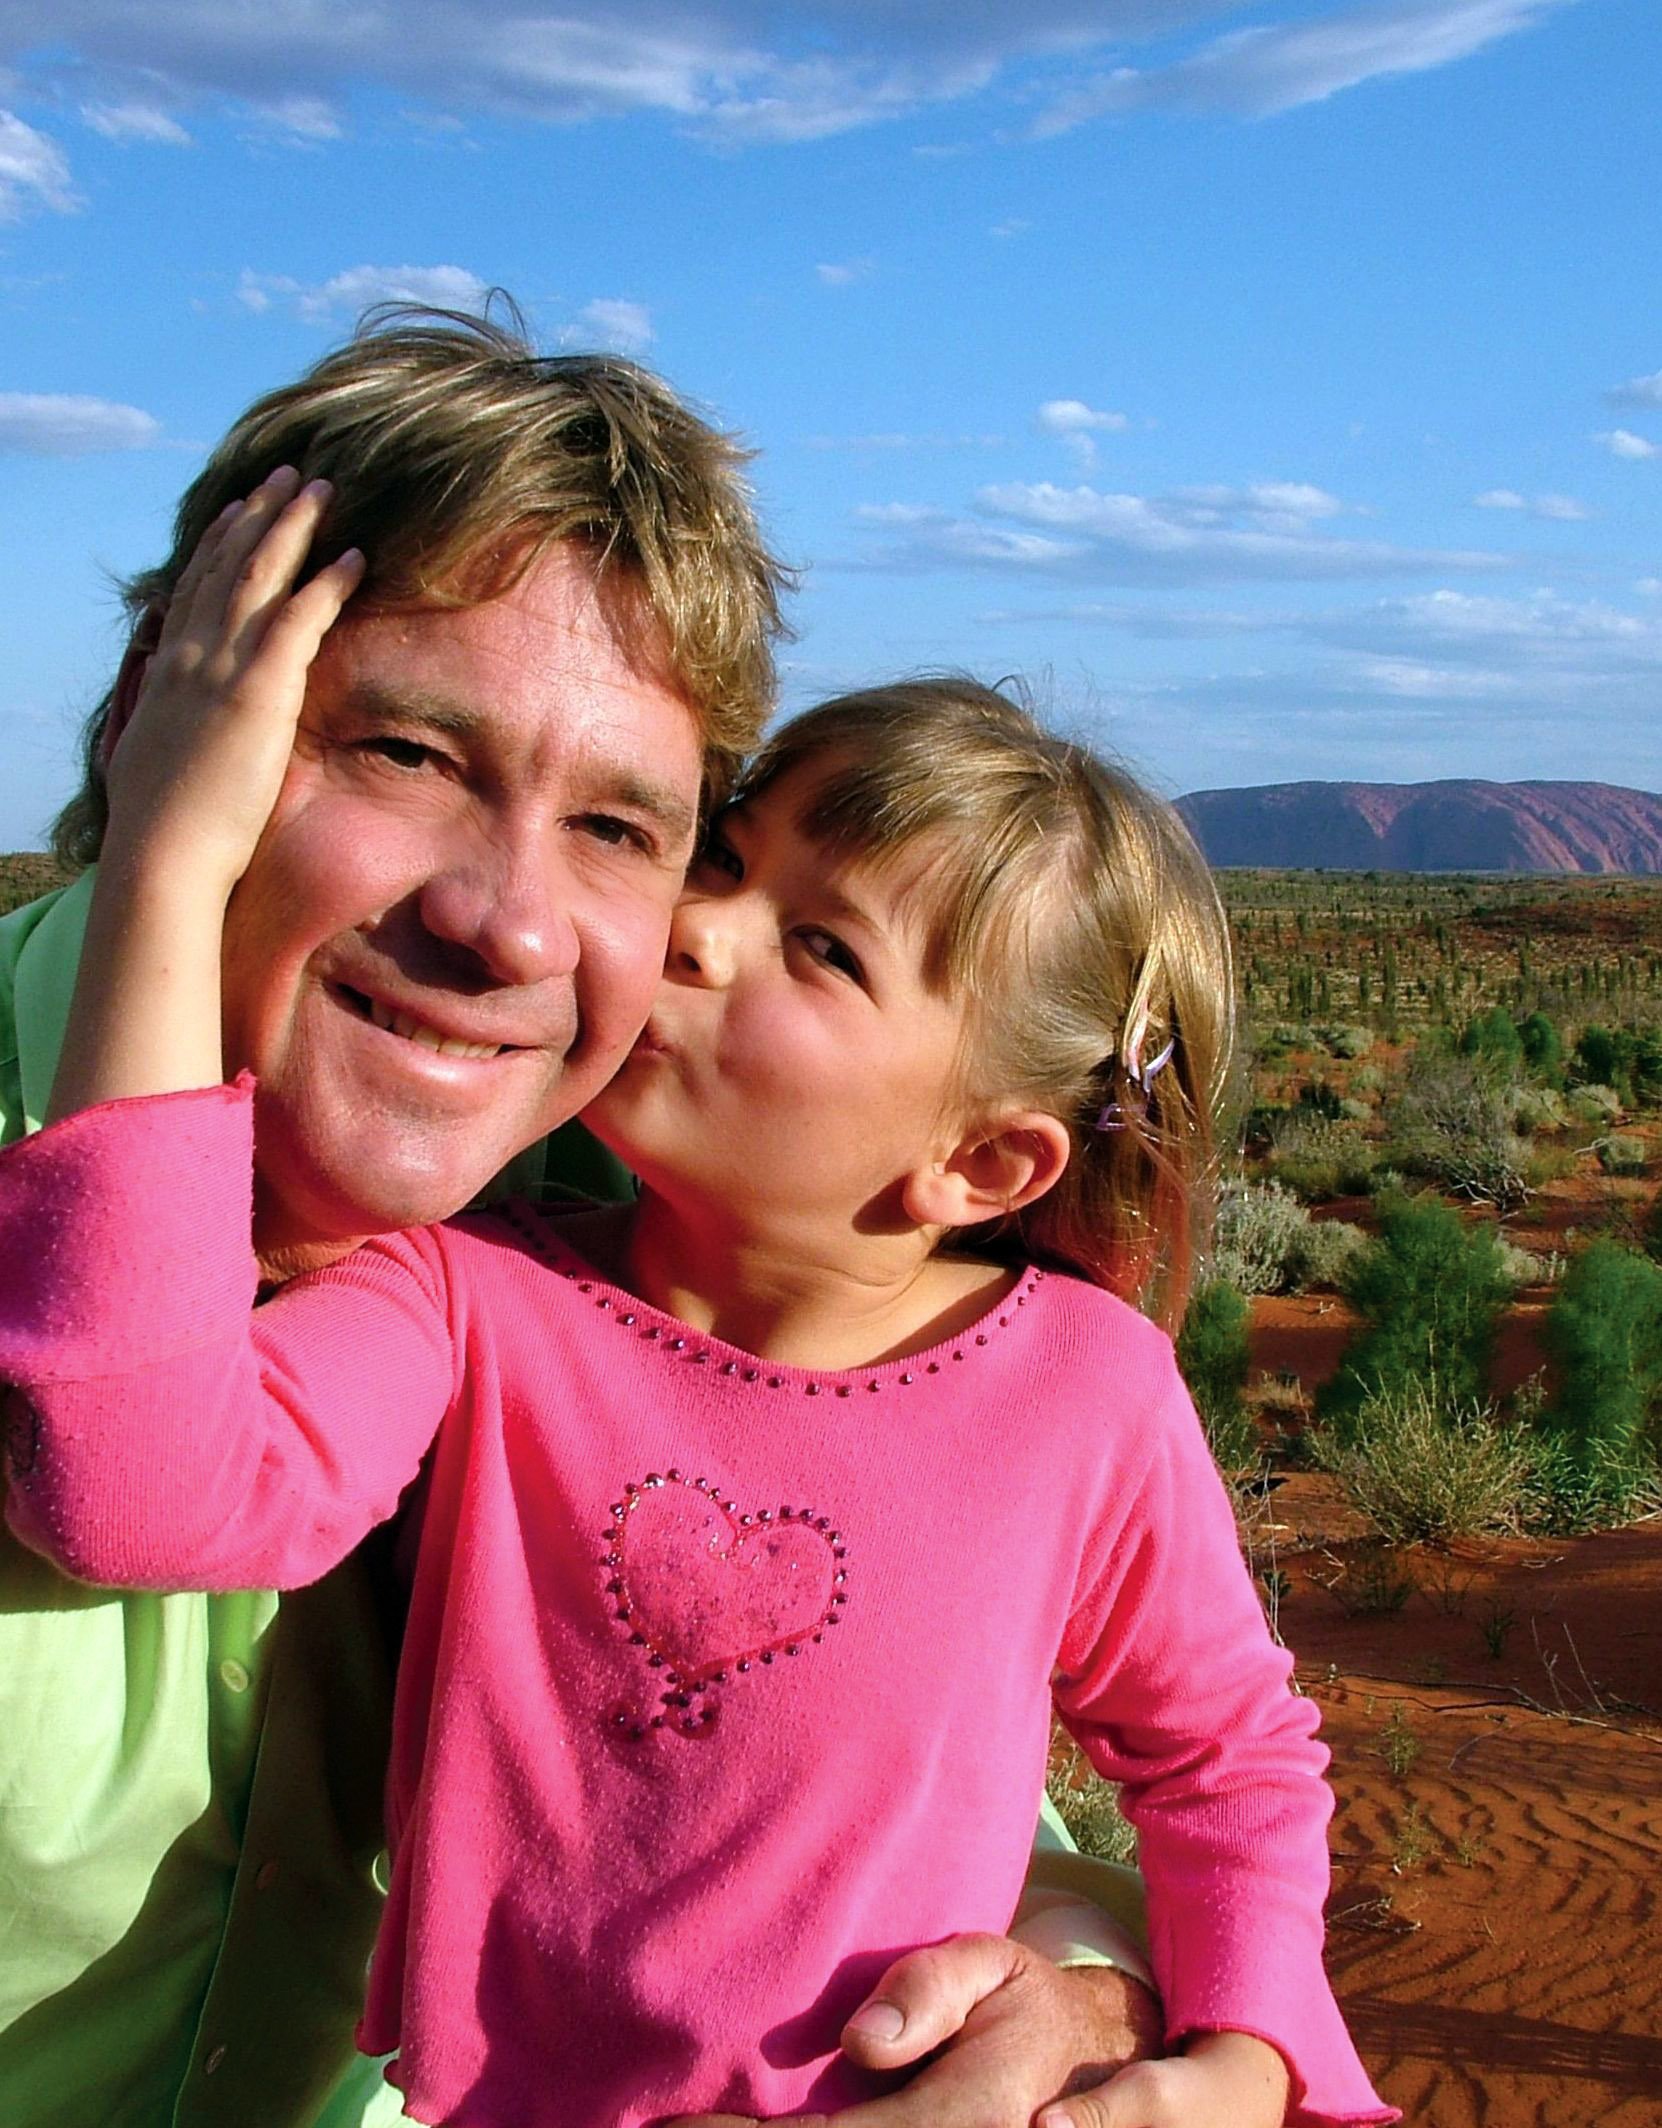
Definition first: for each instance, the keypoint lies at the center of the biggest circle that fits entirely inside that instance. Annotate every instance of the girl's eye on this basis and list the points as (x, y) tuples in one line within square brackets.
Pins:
[(719, 856), (827, 948)]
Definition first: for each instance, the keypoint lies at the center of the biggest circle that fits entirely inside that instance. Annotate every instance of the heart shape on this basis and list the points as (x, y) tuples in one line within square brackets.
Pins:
[(707, 1590)]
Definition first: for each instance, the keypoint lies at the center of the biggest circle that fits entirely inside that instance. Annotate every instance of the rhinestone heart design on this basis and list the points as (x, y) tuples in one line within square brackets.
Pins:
[(711, 1594)]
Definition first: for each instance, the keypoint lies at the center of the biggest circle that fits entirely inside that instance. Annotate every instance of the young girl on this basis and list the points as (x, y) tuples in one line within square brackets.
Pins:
[(778, 1509)]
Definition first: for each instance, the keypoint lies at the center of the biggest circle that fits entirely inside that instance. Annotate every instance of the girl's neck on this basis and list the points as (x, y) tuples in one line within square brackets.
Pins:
[(854, 1301)]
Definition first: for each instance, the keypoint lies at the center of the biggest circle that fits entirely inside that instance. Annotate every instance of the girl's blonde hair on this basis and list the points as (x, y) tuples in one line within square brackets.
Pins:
[(1072, 909)]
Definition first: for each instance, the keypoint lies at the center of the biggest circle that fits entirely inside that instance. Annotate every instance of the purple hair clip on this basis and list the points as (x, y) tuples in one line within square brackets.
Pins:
[(1111, 1116)]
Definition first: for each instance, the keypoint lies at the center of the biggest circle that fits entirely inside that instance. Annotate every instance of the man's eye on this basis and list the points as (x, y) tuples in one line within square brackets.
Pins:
[(825, 946), (614, 833), (396, 752)]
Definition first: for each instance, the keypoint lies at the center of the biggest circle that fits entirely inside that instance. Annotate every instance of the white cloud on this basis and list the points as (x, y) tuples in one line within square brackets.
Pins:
[(1012, 225), (33, 172), (1638, 391), (1558, 509), (843, 274), (1267, 532), (351, 292), (1078, 426), (732, 70), (1277, 67), (614, 322), (1622, 443), (135, 122), (66, 425)]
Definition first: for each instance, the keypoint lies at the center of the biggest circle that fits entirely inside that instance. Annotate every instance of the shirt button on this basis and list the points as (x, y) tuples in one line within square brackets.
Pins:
[(266, 1877), (213, 2061), (232, 1675)]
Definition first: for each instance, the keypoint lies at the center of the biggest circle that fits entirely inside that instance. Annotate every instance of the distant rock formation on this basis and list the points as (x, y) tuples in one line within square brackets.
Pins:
[(1457, 826)]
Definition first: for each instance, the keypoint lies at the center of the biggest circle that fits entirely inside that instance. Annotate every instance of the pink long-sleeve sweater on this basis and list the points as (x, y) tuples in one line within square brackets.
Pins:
[(724, 1681)]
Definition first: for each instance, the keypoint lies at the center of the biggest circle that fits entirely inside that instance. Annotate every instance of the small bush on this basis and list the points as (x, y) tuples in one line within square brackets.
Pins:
[(1424, 1470), (1346, 1042), (1428, 1292), (1540, 1108), (1453, 1123), (1595, 1104), (1619, 1155), (1574, 1488), (1524, 1268), (1603, 1333), (1320, 1158), (1543, 1052), (1213, 1353), (1260, 1226), (1494, 1036), (1651, 1232), (1324, 1254)]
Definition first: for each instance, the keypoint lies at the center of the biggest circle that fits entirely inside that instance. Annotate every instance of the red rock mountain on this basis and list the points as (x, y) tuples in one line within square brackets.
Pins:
[(1456, 826)]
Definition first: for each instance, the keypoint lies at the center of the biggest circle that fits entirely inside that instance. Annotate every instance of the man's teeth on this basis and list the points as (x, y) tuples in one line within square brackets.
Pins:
[(429, 1037)]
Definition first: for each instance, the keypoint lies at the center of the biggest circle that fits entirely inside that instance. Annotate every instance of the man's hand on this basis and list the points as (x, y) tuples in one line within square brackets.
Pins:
[(1014, 2030)]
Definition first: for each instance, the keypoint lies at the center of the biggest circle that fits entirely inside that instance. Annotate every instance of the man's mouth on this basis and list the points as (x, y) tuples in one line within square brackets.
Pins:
[(394, 1021)]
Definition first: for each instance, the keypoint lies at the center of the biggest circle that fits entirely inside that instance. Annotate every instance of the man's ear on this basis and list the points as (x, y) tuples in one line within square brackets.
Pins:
[(991, 1172), (130, 679)]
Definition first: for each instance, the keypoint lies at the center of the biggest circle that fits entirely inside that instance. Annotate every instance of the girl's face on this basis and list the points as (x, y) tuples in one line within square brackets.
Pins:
[(795, 1059)]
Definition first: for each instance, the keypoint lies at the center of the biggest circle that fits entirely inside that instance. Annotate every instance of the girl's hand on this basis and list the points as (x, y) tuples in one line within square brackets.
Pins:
[(195, 775), (1222, 2080)]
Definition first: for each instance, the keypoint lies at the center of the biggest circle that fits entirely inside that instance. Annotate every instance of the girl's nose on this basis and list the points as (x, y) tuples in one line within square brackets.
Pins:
[(703, 948)]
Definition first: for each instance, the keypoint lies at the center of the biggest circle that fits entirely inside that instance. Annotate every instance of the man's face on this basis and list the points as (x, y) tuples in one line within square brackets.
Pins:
[(455, 921)]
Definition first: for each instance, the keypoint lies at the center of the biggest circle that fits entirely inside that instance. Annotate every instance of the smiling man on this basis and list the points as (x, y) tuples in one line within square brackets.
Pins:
[(447, 939)]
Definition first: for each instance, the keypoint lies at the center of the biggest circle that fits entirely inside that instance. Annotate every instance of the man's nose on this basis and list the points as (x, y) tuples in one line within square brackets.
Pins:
[(703, 944), (502, 900)]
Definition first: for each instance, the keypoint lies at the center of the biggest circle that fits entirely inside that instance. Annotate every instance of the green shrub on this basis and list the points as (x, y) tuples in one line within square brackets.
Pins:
[(1324, 1254), (1540, 1108), (1595, 1104), (1090, 1808), (1543, 1052), (1346, 1042), (1423, 1469), (1651, 1231), (1494, 1036), (1260, 1226), (1598, 1057), (1213, 1353), (1428, 1292), (1619, 1155), (1572, 1489), (1320, 1158), (1603, 1333), (1452, 1122)]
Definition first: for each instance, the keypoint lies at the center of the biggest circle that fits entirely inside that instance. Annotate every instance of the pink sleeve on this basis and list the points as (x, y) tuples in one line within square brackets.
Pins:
[(160, 1433), (1170, 1680)]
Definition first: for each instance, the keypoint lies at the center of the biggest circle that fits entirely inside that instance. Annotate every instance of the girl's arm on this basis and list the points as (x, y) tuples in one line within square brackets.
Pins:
[(192, 784), (1171, 1682)]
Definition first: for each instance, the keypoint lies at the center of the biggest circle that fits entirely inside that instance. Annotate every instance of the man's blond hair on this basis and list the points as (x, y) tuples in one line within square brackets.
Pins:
[(459, 456)]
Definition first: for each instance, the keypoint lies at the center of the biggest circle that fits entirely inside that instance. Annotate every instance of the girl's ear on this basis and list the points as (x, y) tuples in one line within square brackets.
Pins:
[(134, 665), (990, 1173)]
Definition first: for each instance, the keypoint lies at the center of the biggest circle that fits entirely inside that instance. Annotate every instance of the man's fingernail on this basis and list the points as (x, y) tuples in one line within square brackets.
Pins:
[(1054, 2117), (878, 2020)]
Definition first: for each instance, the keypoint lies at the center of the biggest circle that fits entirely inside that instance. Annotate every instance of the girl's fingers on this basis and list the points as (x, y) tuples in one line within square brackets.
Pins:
[(297, 629)]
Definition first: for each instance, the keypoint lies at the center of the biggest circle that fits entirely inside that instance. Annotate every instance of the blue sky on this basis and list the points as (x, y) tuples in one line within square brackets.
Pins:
[(1277, 388)]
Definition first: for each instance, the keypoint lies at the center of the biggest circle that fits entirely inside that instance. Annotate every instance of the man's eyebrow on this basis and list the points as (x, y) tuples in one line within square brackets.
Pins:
[(419, 710)]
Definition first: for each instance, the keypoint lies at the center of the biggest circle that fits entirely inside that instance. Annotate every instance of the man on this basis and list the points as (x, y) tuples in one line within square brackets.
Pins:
[(446, 941)]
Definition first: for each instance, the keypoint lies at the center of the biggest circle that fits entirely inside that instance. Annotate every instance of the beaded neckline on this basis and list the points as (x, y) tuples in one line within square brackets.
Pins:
[(679, 1342)]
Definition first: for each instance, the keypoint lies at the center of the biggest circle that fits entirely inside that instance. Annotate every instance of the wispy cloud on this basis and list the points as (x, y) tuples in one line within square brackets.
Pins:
[(1638, 391), (843, 273), (614, 322), (34, 172), (345, 295), (1078, 425), (734, 70), (1273, 530), (66, 425), (1558, 509), (1622, 443), (1275, 67), (135, 122)]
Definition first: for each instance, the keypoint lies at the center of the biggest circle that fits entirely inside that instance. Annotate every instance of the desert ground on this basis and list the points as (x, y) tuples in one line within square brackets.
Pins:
[(1495, 1716)]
